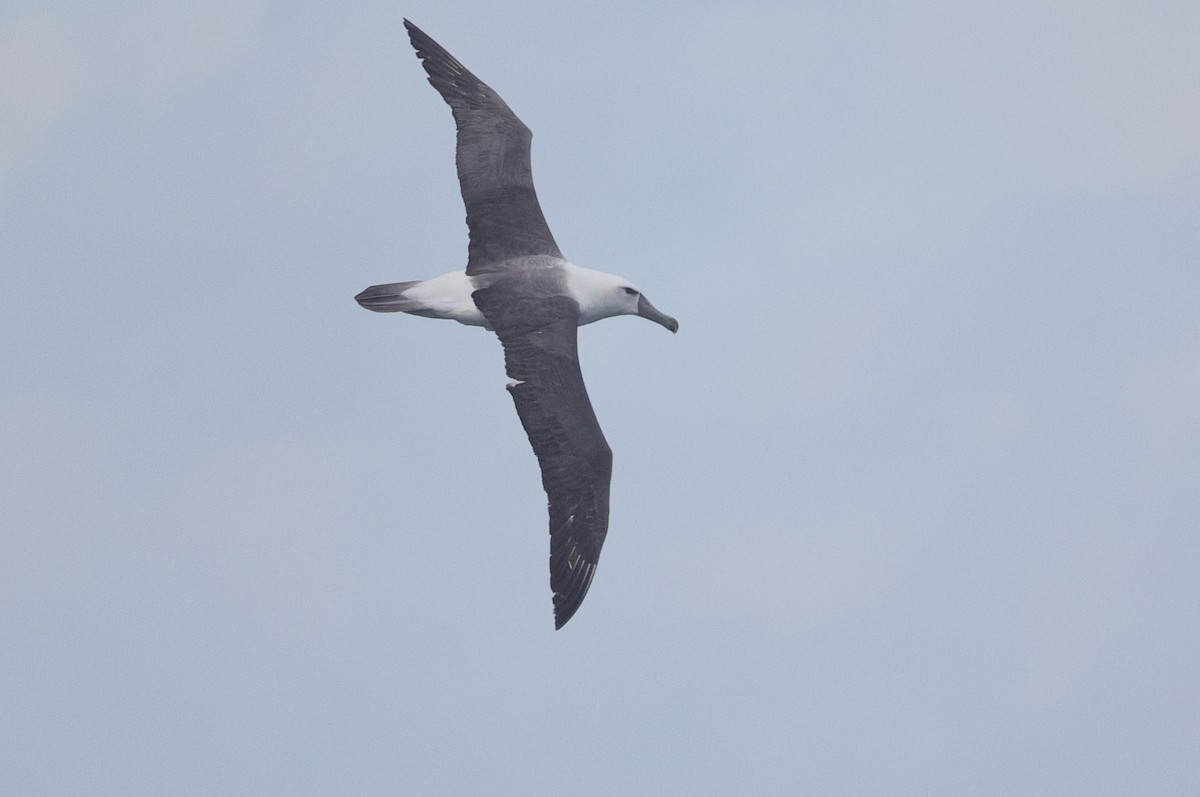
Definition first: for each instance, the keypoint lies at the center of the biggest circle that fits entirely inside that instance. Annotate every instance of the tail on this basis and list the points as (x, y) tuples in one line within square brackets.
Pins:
[(390, 298)]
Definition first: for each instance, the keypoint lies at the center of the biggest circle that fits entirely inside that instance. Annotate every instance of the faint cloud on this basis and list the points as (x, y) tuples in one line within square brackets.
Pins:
[(1078, 600), (1164, 398), (833, 350), (52, 65), (265, 518), (38, 84), (43, 450), (1040, 75), (1004, 417), (151, 50), (810, 580)]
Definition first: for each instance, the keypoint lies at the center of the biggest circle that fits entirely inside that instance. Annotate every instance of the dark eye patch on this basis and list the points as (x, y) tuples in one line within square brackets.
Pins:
[(630, 291)]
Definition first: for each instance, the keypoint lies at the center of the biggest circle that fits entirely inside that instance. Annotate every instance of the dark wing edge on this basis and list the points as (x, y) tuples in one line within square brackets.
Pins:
[(494, 171), (540, 352)]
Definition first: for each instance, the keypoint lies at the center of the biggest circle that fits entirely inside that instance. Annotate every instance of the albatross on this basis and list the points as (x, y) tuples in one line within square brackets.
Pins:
[(518, 285)]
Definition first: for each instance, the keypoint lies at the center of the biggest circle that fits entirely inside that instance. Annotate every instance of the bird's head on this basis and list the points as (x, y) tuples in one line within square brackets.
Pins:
[(633, 302), (602, 295)]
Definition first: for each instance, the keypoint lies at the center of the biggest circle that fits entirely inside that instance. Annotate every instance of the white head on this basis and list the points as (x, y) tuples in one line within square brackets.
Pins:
[(602, 295)]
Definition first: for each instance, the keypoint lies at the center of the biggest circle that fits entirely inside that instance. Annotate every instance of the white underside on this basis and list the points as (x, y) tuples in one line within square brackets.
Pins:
[(449, 296)]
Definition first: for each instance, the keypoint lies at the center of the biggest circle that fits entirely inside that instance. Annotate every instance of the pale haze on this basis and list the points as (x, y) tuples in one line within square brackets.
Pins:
[(910, 505)]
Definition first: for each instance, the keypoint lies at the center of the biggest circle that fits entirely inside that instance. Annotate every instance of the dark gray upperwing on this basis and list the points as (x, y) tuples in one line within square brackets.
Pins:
[(540, 352), (503, 214)]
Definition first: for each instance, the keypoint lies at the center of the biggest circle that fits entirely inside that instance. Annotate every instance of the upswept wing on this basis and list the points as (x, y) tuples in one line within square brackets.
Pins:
[(503, 214), (541, 353)]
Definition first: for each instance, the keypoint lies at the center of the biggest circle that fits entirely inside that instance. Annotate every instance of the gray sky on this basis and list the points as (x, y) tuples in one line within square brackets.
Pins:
[(909, 506)]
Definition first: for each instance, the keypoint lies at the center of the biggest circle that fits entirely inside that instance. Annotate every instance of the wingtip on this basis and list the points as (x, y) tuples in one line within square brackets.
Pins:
[(561, 617), (565, 606), (416, 36)]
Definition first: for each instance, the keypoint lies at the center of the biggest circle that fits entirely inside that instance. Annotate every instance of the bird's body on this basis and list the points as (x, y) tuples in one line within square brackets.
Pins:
[(449, 296), (518, 284)]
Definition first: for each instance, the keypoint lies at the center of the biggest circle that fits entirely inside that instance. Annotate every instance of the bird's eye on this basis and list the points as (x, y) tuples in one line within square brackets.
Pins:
[(630, 291)]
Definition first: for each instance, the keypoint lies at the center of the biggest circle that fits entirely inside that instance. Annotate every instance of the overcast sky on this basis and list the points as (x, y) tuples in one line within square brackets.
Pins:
[(910, 505)]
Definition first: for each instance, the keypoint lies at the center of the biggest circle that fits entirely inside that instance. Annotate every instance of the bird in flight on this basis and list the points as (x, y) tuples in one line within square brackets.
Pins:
[(518, 285)]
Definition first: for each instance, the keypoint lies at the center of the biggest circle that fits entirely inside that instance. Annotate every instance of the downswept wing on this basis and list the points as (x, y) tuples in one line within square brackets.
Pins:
[(540, 352), (503, 214)]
